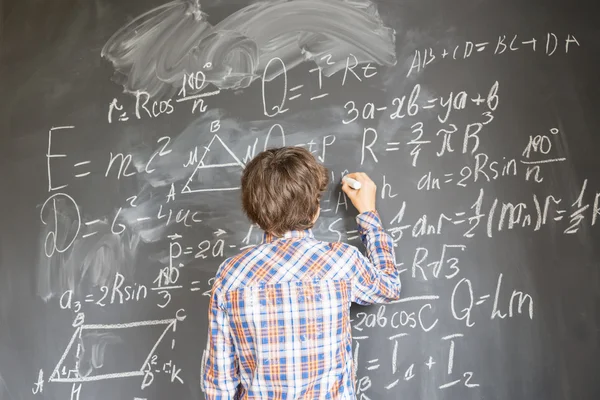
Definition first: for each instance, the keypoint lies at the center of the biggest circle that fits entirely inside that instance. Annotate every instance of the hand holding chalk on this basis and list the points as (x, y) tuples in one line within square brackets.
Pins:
[(361, 190), (353, 183)]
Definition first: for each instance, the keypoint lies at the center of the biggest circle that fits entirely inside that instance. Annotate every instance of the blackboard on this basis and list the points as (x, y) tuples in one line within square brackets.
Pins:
[(125, 126)]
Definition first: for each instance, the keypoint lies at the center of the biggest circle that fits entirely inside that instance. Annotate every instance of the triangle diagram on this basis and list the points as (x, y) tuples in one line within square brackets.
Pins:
[(216, 171)]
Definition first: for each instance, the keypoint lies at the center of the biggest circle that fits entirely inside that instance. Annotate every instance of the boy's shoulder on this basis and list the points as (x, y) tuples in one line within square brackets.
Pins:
[(231, 262), (235, 264), (250, 252), (337, 246)]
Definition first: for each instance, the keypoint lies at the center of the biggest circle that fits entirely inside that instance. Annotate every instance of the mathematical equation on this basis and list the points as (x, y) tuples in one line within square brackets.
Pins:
[(549, 44), (431, 134), (419, 315)]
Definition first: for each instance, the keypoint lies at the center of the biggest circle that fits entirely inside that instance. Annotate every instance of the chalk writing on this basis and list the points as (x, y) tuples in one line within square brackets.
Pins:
[(177, 186)]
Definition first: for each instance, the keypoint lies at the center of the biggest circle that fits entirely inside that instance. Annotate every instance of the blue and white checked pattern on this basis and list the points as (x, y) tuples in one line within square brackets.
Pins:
[(279, 315)]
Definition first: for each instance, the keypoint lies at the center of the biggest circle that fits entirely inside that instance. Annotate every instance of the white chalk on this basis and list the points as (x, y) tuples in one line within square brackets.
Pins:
[(353, 183)]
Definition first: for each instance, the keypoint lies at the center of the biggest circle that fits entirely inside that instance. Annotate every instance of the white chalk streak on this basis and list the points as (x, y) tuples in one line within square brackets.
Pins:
[(391, 385), (82, 175), (218, 165), (395, 358), (543, 161), (81, 163), (398, 336), (166, 287), (319, 96), (581, 210), (62, 127), (99, 377), (415, 298), (447, 385), (355, 358), (212, 190), (130, 324), (197, 96), (455, 335)]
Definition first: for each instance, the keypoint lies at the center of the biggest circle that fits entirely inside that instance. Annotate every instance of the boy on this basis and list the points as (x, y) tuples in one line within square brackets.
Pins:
[(279, 314)]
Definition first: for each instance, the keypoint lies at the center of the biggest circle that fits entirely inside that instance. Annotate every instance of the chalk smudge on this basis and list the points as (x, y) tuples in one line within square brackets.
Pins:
[(4, 393), (93, 346), (88, 261), (153, 51)]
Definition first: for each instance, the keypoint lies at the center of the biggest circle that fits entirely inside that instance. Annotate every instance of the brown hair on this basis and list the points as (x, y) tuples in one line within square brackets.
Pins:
[(281, 189)]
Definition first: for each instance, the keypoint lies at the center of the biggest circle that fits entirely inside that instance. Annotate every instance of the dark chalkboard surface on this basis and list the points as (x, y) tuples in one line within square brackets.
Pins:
[(125, 126)]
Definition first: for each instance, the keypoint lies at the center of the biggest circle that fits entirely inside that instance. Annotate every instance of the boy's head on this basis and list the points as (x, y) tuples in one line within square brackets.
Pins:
[(281, 189)]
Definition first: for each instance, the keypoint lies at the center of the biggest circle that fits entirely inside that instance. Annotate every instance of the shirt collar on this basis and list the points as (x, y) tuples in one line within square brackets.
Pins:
[(307, 233)]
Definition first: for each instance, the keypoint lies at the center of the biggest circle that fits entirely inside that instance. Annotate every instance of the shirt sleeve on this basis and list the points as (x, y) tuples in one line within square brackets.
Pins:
[(221, 368), (376, 279)]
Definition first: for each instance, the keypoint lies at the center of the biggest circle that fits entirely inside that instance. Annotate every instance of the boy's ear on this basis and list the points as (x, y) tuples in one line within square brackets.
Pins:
[(316, 215)]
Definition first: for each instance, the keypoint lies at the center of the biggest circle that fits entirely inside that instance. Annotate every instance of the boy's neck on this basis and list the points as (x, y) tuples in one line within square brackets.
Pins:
[(270, 237)]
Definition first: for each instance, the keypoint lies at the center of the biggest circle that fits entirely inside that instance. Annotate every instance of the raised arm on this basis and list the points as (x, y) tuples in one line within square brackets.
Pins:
[(376, 279)]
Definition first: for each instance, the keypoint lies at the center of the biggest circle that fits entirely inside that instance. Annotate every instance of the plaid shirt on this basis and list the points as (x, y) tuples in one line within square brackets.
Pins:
[(279, 314)]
